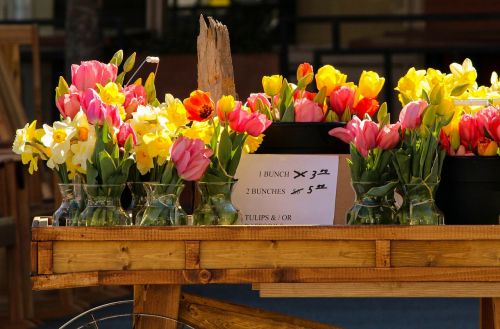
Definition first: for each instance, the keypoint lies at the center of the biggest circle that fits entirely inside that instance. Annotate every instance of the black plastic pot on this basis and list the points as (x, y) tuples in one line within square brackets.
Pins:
[(302, 138), (469, 192)]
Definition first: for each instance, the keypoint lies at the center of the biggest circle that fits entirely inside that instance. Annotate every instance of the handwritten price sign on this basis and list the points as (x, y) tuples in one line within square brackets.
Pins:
[(286, 189)]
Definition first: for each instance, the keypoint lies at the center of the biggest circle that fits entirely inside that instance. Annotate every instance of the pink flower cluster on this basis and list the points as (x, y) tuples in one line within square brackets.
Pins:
[(366, 135), (253, 123)]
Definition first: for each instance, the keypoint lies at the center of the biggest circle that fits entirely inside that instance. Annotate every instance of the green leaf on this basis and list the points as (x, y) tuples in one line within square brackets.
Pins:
[(117, 58), (120, 78), (331, 116), (429, 117), (107, 166), (62, 88), (91, 174), (166, 178), (381, 191), (437, 94), (346, 116), (235, 160), (129, 63), (149, 85), (302, 83), (225, 148), (356, 160), (383, 117), (459, 90), (320, 96), (405, 99), (289, 115), (129, 145), (425, 96), (401, 162)]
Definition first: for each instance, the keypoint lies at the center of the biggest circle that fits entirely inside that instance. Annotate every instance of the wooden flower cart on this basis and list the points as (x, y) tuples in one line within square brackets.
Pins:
[(284, 261)]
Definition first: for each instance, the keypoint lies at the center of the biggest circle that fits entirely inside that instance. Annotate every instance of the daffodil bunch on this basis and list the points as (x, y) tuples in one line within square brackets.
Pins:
[(334, 100)]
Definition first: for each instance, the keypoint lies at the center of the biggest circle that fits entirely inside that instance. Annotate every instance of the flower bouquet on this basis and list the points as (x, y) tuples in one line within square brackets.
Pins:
[(372, 174), (236, 129)]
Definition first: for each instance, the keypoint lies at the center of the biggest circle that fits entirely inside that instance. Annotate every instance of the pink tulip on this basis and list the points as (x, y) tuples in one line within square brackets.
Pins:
[(238, 119), (113, 116), (257, 124), (341, 99), (69, 104), (469, 131), (388, 136), (489, 119), (367, 140), (89, 73), (125, 131), (307, 111), (252, 100), (411, 114), (348, 133), (135, 95), (191, 158), (93, 107), (223, 114)]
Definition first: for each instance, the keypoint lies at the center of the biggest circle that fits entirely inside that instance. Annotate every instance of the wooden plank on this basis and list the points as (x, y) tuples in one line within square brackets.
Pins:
[(16, 34), (278, 275), (113, 255), (383, 253), (157, 300), (272, 254), (381, 289), (63, 281), (192, 255), (45, 257), (236, 232), (445, 253), (214, 314), (496, 312), (34, 257), (486, 313)]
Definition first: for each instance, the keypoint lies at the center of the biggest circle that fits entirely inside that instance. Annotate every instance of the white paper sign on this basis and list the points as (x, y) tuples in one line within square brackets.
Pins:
[(286, 189)]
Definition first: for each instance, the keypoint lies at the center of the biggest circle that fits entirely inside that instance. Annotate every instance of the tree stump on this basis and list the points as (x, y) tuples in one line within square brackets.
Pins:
[(215, 66)]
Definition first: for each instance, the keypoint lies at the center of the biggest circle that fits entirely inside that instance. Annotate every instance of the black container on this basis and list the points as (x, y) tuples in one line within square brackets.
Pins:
[(469, 192), (302, 138)]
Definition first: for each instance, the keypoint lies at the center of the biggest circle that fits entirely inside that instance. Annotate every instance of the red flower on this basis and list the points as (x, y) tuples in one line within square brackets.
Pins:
[(366, 106), (199, 106)]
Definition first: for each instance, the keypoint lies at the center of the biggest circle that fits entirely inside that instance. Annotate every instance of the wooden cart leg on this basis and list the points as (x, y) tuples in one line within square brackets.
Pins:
[(157, 300), (490, 313)]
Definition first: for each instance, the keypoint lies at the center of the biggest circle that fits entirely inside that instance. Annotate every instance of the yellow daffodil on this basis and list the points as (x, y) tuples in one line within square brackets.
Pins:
[(176, 114), (329, 77), (464, 74), (158, 143), (143, 160), (370, 84), (433, 78), (83, 149), (111, 94), (272, 84), (200, 130), (27, 144), (23, 137), (410, 86), (252, 143)]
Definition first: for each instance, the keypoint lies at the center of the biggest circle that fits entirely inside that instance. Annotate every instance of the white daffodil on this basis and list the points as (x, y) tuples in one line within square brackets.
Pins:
[(58, 139)]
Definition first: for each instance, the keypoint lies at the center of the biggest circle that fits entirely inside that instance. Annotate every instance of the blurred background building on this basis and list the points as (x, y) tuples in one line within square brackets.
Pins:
[(267, 37)]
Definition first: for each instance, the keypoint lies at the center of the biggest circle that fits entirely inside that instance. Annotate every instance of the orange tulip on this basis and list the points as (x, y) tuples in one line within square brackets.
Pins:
[(487, 147), (199, 106)]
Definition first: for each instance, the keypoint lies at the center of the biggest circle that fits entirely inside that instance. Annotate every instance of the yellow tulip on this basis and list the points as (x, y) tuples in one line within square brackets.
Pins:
[(225, 105), (370, 84), (329, 77), (252, 143), (272, 84)]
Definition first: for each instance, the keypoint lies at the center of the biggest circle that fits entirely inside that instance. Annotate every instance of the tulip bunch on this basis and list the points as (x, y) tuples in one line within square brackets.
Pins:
[(235, 129), (335, 98)]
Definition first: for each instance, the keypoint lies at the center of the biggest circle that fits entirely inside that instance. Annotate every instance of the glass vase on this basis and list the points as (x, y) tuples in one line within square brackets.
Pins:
[(71, 205), (369, 209), (103, 206), (216, 207), (419, 207), (162, 205), (137, 201)]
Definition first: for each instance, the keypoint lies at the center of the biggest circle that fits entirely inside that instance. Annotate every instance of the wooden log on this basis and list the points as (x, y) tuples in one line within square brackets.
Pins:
[(207, 313), (272, 254), (381, 289), (235, 232), (156, 300), (113, 255), (215, 65)]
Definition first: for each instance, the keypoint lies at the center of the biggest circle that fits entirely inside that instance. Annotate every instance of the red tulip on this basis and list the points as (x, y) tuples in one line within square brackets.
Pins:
[(366, 106), (445, 143), (411, 114), (388, 137), (191, 158), (341, 99), (469, 131), (298, 94), (253, 124), (89, 73), (69, 104), (303, 70), (125, 131), (307, 111)]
